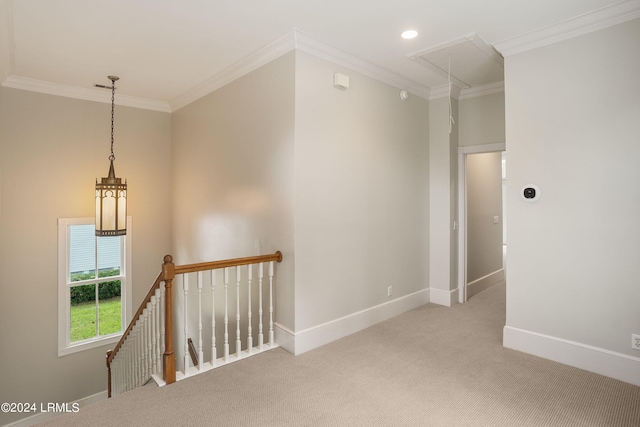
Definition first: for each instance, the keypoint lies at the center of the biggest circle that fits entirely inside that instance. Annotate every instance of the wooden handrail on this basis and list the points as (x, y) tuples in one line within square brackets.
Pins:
[(111, 354), (169, 270), (167, 277), (190, 268)]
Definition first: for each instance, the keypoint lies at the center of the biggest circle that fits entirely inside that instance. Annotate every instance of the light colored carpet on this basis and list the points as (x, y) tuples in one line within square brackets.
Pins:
[(433, 366)]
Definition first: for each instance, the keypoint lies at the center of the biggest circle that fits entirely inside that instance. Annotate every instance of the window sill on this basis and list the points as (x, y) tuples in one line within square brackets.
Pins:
[(89, 344)]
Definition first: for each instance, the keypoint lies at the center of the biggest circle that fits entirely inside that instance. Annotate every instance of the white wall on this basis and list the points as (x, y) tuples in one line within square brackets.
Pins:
[(484, 202), (572, 123), (52, 149), (233, 175), (481, 120), (362, 186), (443, 179), (335, 179)]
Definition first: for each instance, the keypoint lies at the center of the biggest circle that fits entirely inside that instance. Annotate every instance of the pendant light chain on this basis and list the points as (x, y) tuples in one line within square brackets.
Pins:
[(113, 101)]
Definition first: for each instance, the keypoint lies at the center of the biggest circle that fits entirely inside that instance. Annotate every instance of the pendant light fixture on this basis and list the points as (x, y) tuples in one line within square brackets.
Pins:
[(111, 193)]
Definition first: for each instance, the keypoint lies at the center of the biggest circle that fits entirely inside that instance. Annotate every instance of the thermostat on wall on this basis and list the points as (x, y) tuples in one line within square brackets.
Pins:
[(530, 193)]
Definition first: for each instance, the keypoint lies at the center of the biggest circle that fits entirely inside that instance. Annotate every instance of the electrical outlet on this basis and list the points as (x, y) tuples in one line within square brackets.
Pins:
[(635, 341), (390, 292)]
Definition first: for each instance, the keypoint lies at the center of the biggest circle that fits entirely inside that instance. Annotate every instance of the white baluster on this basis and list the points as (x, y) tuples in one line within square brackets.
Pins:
[(185, 286), (125, 377), (214, 354), (128, 368), (226, 314), (271, 304), (145, 345), (151, 356), (132, 359), (158, 333), (200, 353), (134, 350), (118, 376), (238, 342), (140, 353), (125, 367), (115, 377), (249, 336), (260, 334), (149, 346), (152, 326), (134, 355), (121, 373), (124, 372), (162, 316)]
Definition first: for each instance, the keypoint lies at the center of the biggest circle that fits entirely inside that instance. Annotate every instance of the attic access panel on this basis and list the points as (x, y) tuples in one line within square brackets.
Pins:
[(471, 60)]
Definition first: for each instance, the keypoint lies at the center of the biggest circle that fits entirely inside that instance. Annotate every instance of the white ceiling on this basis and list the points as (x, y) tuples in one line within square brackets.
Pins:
[(163, 50)]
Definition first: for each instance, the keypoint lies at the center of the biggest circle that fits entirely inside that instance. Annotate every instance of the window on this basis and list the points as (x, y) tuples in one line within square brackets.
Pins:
[(94, 285)]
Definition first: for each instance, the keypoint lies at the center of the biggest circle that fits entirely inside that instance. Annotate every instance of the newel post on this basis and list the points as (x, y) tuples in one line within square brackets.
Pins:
[(169, 359)]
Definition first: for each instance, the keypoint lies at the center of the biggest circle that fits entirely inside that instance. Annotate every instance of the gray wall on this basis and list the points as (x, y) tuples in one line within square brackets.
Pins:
[(484, 201), (337, 180), (481, 120), (233, 175), (443, 179), (362, 186), (572, 126), (51, 151)]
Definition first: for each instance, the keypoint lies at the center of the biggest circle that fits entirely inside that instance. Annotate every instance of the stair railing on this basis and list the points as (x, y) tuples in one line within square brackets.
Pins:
[(146, 348)]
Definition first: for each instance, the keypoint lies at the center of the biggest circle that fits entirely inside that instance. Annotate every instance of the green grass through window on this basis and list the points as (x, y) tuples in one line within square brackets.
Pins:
[(83, 319)]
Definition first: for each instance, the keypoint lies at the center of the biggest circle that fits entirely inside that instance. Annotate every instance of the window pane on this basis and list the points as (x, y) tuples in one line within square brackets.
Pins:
[(83, 312), (82, 252), (110, 307), (109, 256)]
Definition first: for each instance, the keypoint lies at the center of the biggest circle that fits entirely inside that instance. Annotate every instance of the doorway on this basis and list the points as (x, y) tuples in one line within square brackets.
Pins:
[(481, 213)]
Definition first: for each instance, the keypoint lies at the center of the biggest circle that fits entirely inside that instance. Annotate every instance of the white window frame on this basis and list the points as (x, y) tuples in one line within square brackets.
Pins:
[(65, 346)]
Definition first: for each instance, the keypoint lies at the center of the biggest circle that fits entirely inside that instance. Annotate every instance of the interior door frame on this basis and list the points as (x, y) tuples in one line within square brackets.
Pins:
[(463, 152)]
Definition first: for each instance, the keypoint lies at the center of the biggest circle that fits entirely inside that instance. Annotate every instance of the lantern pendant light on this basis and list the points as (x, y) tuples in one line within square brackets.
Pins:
[(111, 193)]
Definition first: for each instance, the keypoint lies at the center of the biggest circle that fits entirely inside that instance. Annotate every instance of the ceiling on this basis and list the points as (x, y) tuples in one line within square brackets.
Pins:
[(164, 51)]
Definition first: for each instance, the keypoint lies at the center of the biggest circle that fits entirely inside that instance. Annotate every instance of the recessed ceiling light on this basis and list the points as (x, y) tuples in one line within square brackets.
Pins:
[(409, 34)]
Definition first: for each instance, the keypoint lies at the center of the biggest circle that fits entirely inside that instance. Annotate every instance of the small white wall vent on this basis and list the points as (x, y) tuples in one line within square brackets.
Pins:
[(340, 81)]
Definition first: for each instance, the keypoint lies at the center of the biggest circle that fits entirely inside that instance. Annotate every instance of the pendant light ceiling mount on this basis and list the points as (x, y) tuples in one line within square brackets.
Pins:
[(113, 79), (111, 193)]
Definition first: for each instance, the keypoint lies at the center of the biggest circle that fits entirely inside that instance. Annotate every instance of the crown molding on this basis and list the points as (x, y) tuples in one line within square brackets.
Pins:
[(297, 40), (246, 65), (97, 95), (444, 92), (583, 24), (466, 93), (315, 47), (476, 91)]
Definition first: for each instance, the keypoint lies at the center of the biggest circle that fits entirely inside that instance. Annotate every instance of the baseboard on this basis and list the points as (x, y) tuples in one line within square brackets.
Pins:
[(442, 297), (44, 416), (593, 359), (485, 282), (317, 336)]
